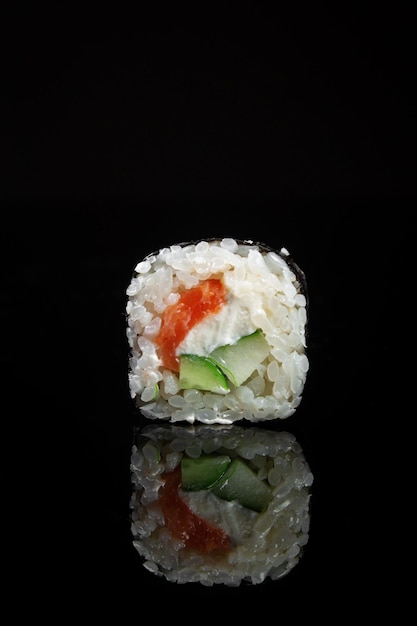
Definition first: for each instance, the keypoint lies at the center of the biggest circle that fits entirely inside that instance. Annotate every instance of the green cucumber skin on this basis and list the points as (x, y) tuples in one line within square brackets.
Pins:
[(199, 372), (203, 472), (239, 360), (233, 362), (239, 483)]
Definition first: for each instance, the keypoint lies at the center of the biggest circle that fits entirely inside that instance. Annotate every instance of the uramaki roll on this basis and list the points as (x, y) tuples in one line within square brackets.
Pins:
[(217, 332)]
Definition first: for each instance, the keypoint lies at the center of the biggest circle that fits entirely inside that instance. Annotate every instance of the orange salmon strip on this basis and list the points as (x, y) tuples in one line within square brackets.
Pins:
[(178, 319)]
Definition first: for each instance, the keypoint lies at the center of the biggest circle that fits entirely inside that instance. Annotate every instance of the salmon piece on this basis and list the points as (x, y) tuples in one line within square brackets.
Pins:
[(178, 319)]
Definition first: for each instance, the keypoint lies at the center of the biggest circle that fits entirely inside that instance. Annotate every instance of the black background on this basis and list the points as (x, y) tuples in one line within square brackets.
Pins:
[(123, 133)]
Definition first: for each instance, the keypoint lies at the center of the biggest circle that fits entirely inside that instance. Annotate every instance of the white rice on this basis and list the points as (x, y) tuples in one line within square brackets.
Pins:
[(269, 293), (264, 545)]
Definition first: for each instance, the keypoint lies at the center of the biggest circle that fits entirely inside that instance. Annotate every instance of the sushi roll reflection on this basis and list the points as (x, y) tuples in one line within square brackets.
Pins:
[(219, 504), (217, 333)]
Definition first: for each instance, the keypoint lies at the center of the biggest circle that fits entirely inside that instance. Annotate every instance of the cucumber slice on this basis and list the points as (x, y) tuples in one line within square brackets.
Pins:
[(203, 472), (199, 372), (239, 360), (240, 483)]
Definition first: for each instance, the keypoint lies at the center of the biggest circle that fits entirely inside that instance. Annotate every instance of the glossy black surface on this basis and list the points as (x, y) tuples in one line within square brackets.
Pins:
[(121, 137)]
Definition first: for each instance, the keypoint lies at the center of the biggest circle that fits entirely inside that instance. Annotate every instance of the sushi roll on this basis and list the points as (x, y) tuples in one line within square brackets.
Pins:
[(217, 332), (219, 504)]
